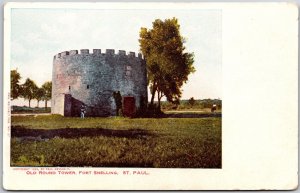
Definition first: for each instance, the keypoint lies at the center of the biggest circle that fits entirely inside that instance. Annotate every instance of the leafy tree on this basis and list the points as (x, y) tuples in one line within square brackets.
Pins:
[(47, 86), (15, 88), (29, 89), (39, 95), (168, 65), (192, 101)]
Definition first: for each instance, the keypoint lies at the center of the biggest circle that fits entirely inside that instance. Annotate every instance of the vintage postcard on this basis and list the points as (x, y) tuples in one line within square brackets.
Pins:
[(150, 96)]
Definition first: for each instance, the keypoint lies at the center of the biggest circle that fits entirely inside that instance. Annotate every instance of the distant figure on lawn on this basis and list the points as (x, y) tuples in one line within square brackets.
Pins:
[(82, 111), (214, 107)]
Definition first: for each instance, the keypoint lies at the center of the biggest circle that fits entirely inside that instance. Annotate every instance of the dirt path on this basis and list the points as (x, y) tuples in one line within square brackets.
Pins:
[(192, 115), (169, 114)]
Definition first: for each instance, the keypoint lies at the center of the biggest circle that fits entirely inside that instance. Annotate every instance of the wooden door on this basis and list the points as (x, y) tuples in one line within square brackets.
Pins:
[(128, 106)]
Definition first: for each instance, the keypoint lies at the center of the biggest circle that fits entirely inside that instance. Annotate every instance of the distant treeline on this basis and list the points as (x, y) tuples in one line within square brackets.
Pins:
[(192, 104), (29, 90), (23, 109)]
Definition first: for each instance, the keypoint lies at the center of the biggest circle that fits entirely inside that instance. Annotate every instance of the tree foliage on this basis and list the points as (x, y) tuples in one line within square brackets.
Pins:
[(168, 65), (39, 95), (47, 87), (15, 89), (29, 89), (192, 101)]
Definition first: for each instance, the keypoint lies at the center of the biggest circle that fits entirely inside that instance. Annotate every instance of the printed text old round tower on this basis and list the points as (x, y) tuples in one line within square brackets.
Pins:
[(89, 80)]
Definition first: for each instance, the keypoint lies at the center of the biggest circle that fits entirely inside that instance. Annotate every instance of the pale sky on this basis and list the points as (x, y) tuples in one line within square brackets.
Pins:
[(39, 34)]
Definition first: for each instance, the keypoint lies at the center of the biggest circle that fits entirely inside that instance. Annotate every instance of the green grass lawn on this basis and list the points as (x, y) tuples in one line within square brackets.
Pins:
[(116, 142)]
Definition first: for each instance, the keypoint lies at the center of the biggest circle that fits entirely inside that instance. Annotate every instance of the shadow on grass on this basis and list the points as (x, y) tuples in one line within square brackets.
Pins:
[(40, 134)]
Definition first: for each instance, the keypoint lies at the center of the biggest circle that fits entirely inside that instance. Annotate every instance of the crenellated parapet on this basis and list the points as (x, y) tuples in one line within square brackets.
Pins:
[(97, 52)]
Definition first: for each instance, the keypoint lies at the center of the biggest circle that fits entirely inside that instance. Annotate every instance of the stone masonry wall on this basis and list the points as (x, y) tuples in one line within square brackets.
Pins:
[(91, 78)]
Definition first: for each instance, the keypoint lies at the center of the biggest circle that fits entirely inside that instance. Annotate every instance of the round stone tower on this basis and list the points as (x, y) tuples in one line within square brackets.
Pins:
[(89, 81)]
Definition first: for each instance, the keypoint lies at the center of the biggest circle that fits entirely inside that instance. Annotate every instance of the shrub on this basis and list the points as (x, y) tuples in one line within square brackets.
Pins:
[(150, 111)]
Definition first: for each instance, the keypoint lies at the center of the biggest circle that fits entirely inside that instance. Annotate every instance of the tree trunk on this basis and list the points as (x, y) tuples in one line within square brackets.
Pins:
[(158, 99), (45, 104), (152, 98), (38, 103), (153, 93), (29, 102)]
